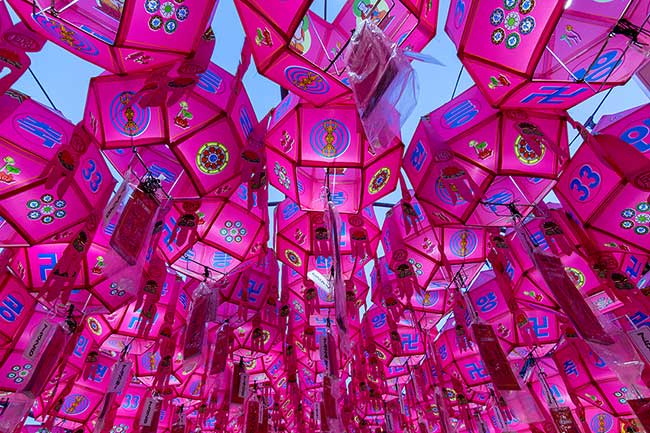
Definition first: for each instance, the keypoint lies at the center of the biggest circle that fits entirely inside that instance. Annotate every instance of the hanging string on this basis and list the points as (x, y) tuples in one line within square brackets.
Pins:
[(460, 73), (42, 88), (589, 123)]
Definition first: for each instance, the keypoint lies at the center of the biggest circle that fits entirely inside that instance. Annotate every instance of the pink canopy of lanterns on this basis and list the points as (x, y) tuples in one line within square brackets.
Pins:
[(147, 283)]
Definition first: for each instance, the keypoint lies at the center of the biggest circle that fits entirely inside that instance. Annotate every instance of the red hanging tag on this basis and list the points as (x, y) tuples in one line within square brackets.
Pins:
[(494, 359), (570, 299), (641, 408), (134, 226), (564, 420), (239, 388), (221, 350)]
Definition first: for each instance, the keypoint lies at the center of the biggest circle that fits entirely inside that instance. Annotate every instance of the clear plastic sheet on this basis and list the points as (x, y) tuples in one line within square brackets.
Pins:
[(383, 82)]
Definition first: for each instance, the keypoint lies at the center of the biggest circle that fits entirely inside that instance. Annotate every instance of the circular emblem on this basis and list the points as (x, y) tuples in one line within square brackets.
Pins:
[(165, 15), (330, 138), (150, 361), (576, 275), (306, 80), (497, 16), (444, 196), (128, 119), (601, 423), (233, 231), (379, 180), (512, 41), (463, 243), (281, 175), (429, 299), (526, 154), (19, 372), (498, 36), (68, 37), (293, 257), (642, 181), (119, 428), (75, 404), (511, 24), (171, 26), (95, 326), (212, 158), (636, 219), (152, 6), (167, 10), (46, 209)]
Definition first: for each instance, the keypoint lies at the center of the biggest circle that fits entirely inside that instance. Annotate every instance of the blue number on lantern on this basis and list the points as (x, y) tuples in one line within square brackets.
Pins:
[(601, 69), (10, 308), (487, 303), (93, 177), (460, 114), (637, 135), (418, 156), (585, 182)]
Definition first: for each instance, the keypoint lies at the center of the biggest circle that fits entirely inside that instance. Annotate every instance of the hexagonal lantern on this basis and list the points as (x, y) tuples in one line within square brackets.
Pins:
[(304, 53), (468, 161), (34, 142), (194, 146), (124, 36), (613, 205), (312, 150), (547, 55), (303, 239)]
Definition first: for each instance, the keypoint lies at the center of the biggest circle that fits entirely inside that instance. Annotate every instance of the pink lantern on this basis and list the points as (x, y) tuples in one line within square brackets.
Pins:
[(613, 206), (17, 41), (589, 377), (483, 159), (433, 254), (397, 343), (125, 37), (41, 149), (462, 363), (515, 325), (313, 151), (303, 239), (16, 309), (202, 230), (194, 146), (552, 55), (304, 53)]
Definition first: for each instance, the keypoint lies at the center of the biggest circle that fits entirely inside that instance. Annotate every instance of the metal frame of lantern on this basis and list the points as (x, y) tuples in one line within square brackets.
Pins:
[(305, 53), (129, 37), (318, 154), (467, 161), (550, 55)]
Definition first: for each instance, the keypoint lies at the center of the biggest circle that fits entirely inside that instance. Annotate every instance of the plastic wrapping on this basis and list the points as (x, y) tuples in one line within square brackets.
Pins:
[(383, 82)]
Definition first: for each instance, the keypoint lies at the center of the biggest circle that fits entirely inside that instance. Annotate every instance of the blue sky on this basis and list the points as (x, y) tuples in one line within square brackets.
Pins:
[(66, 77)]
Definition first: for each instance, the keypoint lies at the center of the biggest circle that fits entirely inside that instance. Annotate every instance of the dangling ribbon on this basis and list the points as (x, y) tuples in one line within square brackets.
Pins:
[(337, 280)]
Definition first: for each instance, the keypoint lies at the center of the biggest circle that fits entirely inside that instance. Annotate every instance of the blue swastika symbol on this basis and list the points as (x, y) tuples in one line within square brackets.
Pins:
[(42, 130), (557, 95)]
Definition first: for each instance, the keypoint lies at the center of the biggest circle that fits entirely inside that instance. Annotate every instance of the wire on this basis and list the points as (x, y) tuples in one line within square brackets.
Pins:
[(590, 120), (42, 88), (460, 73)]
